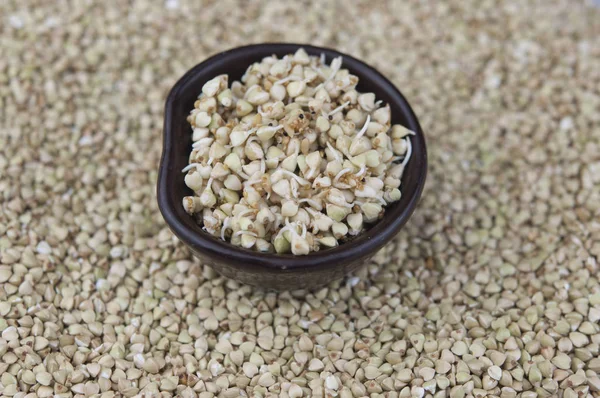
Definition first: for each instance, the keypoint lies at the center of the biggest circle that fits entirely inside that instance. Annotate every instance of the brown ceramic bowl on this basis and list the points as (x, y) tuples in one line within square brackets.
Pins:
[(269, 270)]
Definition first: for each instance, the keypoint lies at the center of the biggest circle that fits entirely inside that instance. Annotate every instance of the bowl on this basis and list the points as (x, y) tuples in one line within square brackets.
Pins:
[(269, 270)]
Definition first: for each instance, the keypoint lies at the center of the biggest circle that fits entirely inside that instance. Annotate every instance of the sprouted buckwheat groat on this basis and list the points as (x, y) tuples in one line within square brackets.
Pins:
[(292, 158)]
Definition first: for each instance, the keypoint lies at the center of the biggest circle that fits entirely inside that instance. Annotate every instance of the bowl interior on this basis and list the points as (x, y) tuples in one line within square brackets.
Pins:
[(177, 147)]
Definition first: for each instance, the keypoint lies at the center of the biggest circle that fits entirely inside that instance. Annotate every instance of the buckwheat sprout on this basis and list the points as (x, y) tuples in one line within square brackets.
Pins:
[(315, 183), (362, 171), (272, 128), (339, 175), (408, 153), (203, 142), (243, 214), (242, 232), (322, 58), (287, 79), (312, 212), (303, 102), (225, 226), (250, 188), (381, 200), (378, 103), (311, 173), (242, 174), (248, 69), (346, 153), (288, 227), (249, 132), (300, 180), (339, 108), (263, 166), (363, 130), (334, 151), (321, 193), (334, 69), (210, 160), (190, 166), (342, 185), (241, 141), (251, 87), (294, 236), (312, 202), (313, 222)]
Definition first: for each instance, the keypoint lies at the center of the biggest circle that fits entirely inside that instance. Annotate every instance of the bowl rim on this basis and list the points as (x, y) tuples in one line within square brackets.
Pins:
[(361, 246)]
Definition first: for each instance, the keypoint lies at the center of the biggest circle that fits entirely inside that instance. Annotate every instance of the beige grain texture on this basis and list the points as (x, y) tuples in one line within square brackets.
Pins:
[(492, 289)]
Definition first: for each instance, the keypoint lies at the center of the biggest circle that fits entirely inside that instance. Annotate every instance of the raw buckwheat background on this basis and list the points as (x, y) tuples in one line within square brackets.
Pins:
[(491, 289)]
